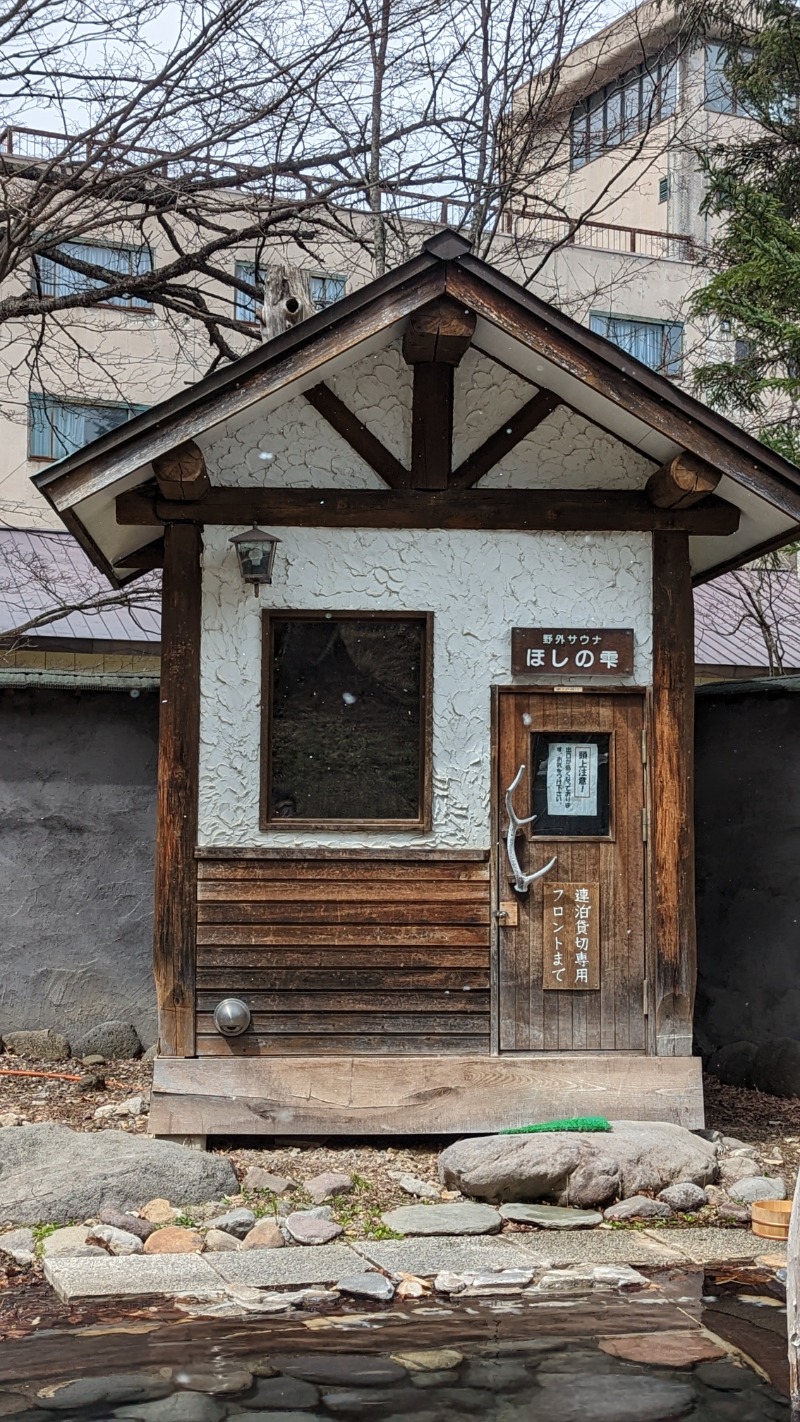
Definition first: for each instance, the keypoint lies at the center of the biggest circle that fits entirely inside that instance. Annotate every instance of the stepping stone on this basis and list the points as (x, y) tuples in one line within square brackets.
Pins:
[(604, 1398), (443, 1219), (289, 1393), (430, 1360), (83, 1393), (196, 1380), (426, 1257), (338, 1369), (367, 1286), (304, 1229), (268, 1268), (181, 1407), (375, 1402), (122, 1276), (679, 1348), (551, 1216)]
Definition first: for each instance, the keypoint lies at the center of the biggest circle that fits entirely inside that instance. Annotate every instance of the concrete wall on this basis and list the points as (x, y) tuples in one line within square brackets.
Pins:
[(748, 866), (77, 816)]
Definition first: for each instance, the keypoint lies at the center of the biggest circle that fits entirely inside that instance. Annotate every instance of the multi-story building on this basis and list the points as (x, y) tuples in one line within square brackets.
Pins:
[(605, 220)]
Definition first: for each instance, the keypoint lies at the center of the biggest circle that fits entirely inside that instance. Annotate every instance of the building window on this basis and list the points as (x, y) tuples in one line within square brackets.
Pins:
[(657, 344), (627, 107), (346, 720), (663, 190), (50, 278), (325, 289), (58, 427), (721, 97)]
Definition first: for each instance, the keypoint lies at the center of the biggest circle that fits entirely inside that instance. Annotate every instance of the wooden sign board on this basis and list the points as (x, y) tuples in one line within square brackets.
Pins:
[(572, 651), (571, 937)]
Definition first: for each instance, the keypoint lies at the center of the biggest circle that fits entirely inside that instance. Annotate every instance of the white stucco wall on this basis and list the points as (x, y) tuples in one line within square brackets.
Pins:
[(564, 452), (478, 586)]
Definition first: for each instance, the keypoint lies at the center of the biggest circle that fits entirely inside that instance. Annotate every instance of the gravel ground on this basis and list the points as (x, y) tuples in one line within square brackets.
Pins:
[(771, 1124)]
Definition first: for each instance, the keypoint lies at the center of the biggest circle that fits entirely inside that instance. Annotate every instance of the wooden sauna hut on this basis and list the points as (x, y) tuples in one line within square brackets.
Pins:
[(424, 843)]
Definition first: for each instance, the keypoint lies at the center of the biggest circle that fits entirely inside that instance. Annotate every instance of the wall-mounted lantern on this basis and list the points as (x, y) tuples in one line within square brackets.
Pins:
[(256, 553)]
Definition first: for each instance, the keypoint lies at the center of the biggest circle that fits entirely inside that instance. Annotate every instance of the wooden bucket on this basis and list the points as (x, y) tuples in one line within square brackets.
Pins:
[(770, 1218)]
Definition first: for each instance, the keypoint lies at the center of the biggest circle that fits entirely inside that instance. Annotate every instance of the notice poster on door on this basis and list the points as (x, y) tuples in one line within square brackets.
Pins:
[(572, 778), (571, 934)]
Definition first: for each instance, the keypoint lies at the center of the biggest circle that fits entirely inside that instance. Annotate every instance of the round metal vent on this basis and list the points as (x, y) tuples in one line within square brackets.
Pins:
[(231, 1017)]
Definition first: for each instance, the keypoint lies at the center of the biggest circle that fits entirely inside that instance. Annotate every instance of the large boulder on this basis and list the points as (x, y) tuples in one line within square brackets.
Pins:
[(38, 1046), (113, 1040), (51, 1174), (776, 1068), (579, 1168), (733, 1063)]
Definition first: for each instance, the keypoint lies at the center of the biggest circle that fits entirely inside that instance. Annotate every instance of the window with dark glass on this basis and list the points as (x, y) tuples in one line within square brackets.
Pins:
[(657, 344), (345, 710), (721, 95), (50, 277), (57, 427), (628, 106), (570, 784)]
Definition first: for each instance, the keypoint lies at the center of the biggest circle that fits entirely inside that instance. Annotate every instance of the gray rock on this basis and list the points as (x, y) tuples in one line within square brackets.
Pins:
[(496, 1374), (151, 1053), (736, 1167), (639, 1207), (115, 1241), (41, 1046), (219, 1242), (733, 1064), (286, 1392), (602, 1398), (304, 1228), (738, 1214), (49, 1172), (280, 1416), (70, 1242), (367, 1286), (180, 1407), (758, 1187), (327, 1185), (684, 1196), (618, 1276), (238, 1222), (578, 1168), (112, 1040), (725, 1377), (443, 1219), (412, 1185), (214, 1381), (120, 1220), (376, 1402), (336, 1369), (776, 1067), (258, 1179), (551, 1216), (133, 1106), (113, 1391), (19, 1244)]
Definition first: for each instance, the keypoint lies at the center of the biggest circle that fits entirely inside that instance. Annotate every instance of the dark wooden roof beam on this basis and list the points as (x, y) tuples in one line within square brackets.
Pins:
[(558, 510), (511, 432), (440, 332), (144, 559), (684, 481), (366, 445), (181, 473)]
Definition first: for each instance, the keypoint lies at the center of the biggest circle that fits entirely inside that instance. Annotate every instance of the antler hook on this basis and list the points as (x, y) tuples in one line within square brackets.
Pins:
[(522, 882)]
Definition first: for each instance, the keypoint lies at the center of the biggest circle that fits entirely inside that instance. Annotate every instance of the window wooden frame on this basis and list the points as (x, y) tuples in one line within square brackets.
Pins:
[(422, 823)]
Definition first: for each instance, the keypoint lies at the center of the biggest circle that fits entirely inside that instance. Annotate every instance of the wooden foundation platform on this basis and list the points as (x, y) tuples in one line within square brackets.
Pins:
[(419, 1095)]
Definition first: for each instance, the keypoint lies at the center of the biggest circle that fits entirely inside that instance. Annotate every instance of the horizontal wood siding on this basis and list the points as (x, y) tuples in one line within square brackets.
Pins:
[(345, 956)]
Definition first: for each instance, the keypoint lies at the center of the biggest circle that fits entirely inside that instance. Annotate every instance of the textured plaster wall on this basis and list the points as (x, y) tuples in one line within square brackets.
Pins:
[(77, 824), (564, 452), (478, 586)]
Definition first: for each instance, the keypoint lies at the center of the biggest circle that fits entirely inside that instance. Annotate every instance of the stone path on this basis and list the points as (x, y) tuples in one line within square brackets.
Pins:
[(220, 1275)]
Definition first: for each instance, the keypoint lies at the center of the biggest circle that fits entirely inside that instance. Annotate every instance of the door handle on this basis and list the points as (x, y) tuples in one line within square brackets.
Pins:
[(522, 882)]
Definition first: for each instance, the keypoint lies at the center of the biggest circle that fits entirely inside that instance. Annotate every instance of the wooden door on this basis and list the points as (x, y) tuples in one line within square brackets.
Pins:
[(572, 953)]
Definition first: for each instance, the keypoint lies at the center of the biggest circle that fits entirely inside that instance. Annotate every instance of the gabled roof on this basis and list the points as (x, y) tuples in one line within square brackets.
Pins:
[(514, 327)]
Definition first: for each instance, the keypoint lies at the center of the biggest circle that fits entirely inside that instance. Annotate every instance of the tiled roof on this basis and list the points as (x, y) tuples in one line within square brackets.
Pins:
[(726, 627), (42, 571)]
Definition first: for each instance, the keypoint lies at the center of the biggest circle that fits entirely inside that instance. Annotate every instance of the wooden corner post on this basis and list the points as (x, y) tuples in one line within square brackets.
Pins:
[(673, 795), (176, 825)]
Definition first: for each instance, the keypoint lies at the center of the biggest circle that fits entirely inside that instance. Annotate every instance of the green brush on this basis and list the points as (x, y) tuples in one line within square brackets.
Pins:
[(579, 1123)]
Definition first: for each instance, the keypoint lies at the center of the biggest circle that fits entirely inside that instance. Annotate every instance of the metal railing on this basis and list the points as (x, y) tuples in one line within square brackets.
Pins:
[(525, 225)]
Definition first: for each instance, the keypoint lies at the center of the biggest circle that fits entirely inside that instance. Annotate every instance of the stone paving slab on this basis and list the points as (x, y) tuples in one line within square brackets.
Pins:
[(703, 1246), (263, 1268), (426, 1256), (599, 1247), (132, 1274)]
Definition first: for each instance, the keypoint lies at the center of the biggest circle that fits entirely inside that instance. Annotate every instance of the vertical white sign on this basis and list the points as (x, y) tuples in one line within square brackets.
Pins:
[(572, 778)]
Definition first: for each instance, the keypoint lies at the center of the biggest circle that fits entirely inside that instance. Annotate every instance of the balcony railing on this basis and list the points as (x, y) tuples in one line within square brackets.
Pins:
[(527, 226)]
